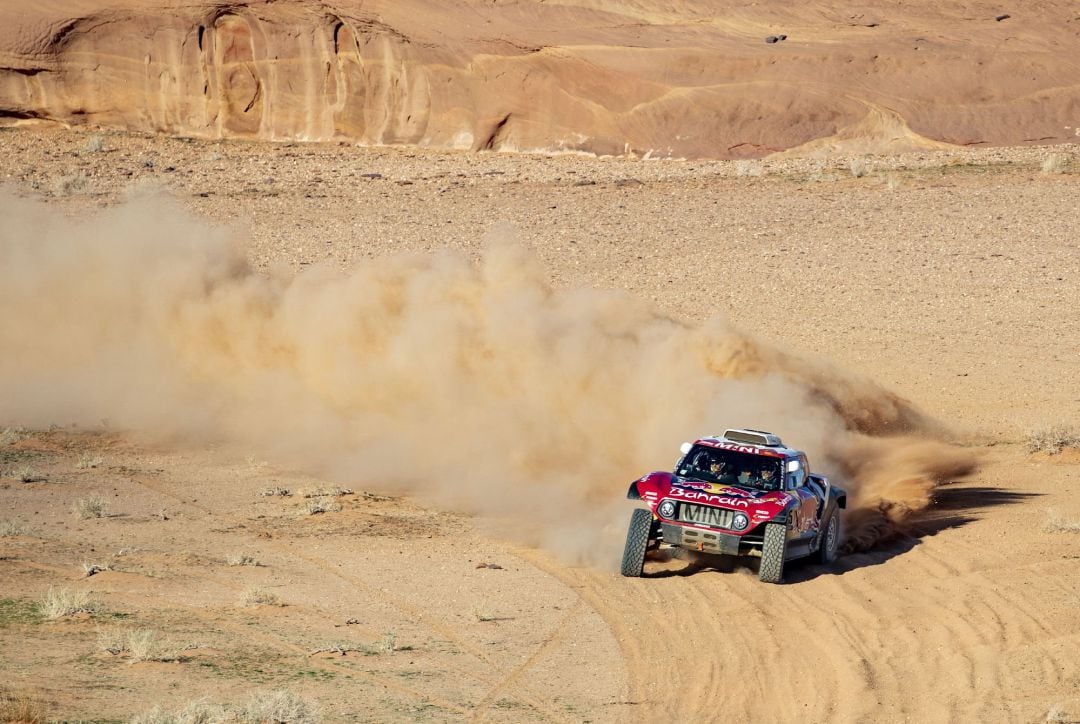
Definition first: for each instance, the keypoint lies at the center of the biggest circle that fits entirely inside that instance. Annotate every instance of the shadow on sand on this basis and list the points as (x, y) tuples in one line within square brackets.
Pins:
[(953, 507)]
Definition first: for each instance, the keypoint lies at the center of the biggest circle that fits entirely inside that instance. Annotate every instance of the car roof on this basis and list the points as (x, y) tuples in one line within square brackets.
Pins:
[(774, 451)]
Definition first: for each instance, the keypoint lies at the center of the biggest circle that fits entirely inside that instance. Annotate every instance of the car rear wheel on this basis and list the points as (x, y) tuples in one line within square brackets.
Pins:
[(637, 540), (830, 541), (773, 552)]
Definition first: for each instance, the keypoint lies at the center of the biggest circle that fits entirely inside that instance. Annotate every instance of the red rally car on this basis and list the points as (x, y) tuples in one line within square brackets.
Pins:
[(740, 493)]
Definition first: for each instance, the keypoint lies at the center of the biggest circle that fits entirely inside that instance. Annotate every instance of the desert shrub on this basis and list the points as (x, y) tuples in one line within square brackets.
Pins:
[(12, 435), (89, 461), (90, 569), (276, 707), (27, 474), (71, 184), (95, 143), (1052, 439), (21, 707), (12, 527), (140, 644), (1058, 715), (860, 167), (147, 645), (59, 602), (322, 505), (271, 492), (197, 712), (1056, 524), (282, 706), (748, 168), (259, 597), (242, 559), (92, 507), (321, 492), (1055, 163)]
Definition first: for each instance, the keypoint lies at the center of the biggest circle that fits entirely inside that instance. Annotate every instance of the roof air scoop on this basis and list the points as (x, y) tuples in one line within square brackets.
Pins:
[(753, 437)]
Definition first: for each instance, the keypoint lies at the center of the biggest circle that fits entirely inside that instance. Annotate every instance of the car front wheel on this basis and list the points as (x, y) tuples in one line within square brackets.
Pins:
[(637, 540), (773, 552)]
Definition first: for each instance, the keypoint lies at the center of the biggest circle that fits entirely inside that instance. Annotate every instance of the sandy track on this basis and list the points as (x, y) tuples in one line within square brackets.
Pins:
[(966, 625)]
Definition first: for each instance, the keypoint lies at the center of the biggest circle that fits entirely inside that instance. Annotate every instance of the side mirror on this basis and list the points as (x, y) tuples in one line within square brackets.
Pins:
[(685, 448)]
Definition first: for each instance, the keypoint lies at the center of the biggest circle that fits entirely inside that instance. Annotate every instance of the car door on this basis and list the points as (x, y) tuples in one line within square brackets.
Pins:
[(806, 519)]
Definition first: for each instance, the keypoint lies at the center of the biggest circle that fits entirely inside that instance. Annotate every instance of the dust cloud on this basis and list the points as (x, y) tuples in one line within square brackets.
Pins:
[(473, 385)]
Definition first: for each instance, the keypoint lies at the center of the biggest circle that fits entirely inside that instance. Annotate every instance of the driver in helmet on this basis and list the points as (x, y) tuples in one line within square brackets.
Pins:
[(724, 472), (766, 478)]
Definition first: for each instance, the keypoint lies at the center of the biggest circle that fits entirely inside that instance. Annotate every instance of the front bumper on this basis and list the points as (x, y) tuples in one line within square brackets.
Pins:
[(707, 541)]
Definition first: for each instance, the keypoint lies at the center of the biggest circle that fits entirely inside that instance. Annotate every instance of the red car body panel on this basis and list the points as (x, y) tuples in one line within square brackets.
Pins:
[(759, 506)]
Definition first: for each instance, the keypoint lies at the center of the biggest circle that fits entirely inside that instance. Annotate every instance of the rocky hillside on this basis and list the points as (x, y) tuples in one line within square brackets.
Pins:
[(710, 78)]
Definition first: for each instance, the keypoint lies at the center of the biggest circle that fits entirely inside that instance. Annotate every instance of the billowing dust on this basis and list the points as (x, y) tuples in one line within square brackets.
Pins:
[(475, 385)]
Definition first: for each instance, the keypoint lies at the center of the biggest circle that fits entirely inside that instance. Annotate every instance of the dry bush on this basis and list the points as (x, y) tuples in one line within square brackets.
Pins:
[(272, 492), (197, 712), (259, 597), (1055, 163), (21, 708), (1058, 715), (749, 168), (59, 602), (92, 507), (12, 527), (27, 474), (860, 167), (89, 461), (1056, 524), (321, 492), (242, 559), (93, 568), (12, 435), (276, 707), (71, 184), (112, 640), (95, 143), (282, 706), (1052, 439), (141, 644), (342, 648), (146, 645), (322, 505)]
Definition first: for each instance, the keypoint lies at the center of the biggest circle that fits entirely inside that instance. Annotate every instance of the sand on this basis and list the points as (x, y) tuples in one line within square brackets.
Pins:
[(946, 277)]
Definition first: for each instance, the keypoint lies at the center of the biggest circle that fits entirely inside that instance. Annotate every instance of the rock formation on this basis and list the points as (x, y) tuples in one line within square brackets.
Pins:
[(688, 79)]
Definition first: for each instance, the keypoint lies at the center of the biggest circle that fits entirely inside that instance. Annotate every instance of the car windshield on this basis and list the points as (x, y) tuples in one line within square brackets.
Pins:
[(728, 467)]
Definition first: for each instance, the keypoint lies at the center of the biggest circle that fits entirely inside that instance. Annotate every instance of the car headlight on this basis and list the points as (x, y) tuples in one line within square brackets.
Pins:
[(666, 509), (740, 521)]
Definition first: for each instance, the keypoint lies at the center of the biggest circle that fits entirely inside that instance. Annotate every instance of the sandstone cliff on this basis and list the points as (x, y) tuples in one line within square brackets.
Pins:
[(693, 79)]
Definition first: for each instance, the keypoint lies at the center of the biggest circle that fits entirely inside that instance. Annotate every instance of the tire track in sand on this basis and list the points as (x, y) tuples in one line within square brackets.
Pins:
[(856, 646)]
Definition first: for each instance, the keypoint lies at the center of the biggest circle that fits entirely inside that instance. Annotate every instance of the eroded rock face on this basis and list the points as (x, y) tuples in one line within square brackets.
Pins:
[(606, 76)]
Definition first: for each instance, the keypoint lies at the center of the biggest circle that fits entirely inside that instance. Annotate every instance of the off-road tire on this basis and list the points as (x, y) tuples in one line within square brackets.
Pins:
[(637, 540), (773, 552), (831, 532)]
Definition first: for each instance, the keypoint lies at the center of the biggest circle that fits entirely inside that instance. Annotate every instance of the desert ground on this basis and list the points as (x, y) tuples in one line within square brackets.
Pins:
[(948, 278)]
